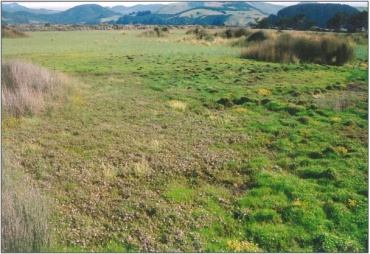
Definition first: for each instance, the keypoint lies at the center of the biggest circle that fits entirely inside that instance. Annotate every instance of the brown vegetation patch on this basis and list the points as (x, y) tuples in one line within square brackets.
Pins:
[(24, 213), (29, 89), (12, 33), (296, 48)]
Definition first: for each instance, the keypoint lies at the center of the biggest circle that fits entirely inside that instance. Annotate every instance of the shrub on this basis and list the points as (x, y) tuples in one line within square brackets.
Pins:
[(239, 32), (257, 36), (153, 33), (199, 33), (287, 48), (161, 32), (28, 89), (156, 32), (24, 213), (234, 33)]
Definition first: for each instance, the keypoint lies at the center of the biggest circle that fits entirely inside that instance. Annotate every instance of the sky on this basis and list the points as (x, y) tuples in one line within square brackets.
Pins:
[(64, 5)]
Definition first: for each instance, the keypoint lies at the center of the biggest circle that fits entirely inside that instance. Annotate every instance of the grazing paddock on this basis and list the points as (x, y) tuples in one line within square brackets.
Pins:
[(178, 144)]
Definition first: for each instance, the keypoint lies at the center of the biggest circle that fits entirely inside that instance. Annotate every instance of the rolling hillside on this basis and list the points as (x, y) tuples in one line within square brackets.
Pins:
[(14, 7), (200, 13), (205, 13), (182, 13), (22, 17), (82, 14), (139, 7), (87, 13)]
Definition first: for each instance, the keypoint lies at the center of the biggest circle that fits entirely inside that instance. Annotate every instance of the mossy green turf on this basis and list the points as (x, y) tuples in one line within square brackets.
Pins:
[(265, 153)]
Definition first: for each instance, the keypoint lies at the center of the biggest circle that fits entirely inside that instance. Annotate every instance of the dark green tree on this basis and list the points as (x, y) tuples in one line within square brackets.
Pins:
[(338, 21), (263, 23), (300, 22), (358, 21), (284, 22)]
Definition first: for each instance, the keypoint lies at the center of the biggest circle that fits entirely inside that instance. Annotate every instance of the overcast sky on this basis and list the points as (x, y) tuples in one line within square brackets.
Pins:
[(66, 5)]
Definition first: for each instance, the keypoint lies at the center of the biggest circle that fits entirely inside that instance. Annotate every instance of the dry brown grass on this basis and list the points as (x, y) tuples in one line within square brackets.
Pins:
[(12, 33), (29, 89), (24, 213)]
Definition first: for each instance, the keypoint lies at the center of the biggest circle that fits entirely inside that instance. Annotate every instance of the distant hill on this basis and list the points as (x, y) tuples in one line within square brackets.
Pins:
[(82, 14), (22, 17), (14, 7), (174, 8), (136, 8), (205, 13), (318, 13), (86, 13), (182, 13)]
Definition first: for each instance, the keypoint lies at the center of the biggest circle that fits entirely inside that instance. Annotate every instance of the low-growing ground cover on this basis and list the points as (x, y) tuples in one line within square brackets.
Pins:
[(174, 144)]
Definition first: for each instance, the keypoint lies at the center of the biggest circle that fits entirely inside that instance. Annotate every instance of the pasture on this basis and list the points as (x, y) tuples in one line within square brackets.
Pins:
[(175, 144)]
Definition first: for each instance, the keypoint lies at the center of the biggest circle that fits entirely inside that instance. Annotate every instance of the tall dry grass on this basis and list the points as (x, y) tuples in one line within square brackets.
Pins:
[(12, 33), (29, 89), (301, 47), (24, 213)]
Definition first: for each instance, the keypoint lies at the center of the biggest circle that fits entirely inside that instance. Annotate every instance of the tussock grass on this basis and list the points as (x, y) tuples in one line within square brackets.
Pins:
[(24, 213), (297, 47), (29, 89), (12, 33)]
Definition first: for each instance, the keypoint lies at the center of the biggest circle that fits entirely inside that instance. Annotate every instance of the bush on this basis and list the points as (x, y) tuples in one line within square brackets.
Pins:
[(288, 48), (28, 89), (234, 33), (257, 36), (199, 33), (24, 214)]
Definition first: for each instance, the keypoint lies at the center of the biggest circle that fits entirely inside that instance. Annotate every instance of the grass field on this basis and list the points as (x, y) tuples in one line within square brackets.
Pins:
[(174, 144)]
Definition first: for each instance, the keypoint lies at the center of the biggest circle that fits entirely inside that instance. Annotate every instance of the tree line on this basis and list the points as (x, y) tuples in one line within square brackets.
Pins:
[(341, 20)]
